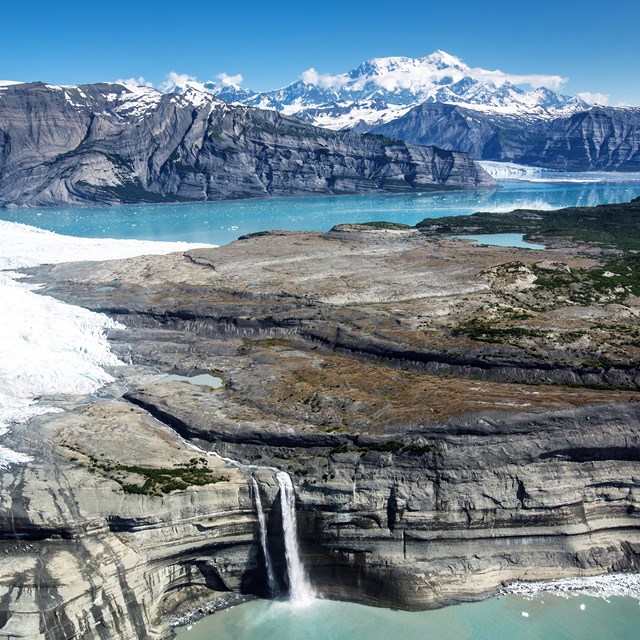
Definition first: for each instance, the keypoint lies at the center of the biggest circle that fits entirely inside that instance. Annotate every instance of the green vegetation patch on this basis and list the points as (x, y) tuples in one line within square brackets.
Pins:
[(380, 225), (611, 282), (484, 331), (159, 480), (610, 225)]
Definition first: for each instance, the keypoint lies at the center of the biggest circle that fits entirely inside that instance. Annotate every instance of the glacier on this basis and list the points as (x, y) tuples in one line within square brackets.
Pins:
[(48, 347), (511, 171)]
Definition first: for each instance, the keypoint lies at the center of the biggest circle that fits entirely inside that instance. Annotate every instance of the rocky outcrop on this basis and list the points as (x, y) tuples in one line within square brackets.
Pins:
[(417, 486), (605, 138), (475, 503), (83, 556), (111, 144)]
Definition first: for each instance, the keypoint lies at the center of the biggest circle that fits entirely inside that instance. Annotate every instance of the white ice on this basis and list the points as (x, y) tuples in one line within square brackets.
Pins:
[(513, 171), (48, 347), (605, 586)]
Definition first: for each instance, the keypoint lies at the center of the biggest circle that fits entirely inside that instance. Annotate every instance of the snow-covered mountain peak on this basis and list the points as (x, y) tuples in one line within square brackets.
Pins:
[(380, 89), (399, 74), (181, 84), (443, 59), (198, 95)]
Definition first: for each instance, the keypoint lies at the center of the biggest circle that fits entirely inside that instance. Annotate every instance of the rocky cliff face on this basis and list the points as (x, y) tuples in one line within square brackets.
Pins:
[(111, 144), (474, 503), (84, 558), (597, 138)]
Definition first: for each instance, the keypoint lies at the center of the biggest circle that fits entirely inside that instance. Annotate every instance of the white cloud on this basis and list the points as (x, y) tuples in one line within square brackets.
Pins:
[(172, 79), (310, 76), (324, 80), (230, 81), (405, 77), (534, 80), (594, 98), (421, 73), (136, 82)]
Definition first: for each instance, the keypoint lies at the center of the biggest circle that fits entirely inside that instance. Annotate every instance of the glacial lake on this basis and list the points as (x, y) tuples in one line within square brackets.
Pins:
[(202, 380), (502, 240), (548, 617), (223, 222)]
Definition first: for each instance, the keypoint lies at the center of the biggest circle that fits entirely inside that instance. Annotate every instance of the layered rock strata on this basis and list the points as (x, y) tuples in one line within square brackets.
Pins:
[(431, 464), (113, 144), (599, 138)]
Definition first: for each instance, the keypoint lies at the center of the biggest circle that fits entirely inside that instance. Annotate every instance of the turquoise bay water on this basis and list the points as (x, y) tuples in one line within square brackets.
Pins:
[(549, 618), (223, 222)]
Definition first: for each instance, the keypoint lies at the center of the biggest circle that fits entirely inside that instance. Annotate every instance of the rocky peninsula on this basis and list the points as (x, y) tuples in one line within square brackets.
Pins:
[(453, 416)]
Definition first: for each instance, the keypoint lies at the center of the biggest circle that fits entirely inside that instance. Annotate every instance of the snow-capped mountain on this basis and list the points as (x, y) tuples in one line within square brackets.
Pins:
[(383, 89)]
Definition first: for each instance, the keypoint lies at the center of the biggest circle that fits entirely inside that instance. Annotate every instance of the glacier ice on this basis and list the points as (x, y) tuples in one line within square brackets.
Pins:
[(48, 347)]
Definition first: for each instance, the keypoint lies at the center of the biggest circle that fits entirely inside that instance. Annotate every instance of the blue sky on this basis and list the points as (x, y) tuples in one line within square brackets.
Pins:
[(594, 44)]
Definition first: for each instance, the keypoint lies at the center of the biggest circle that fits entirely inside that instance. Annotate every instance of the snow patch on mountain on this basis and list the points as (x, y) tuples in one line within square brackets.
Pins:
[(7, 83), (132, 98)]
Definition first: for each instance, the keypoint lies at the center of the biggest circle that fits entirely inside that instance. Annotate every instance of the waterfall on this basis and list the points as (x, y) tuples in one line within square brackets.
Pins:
[(300, 590), (273, 587)]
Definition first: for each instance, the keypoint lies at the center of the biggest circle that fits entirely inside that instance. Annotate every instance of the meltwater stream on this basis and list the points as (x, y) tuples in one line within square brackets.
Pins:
[(300, 590)]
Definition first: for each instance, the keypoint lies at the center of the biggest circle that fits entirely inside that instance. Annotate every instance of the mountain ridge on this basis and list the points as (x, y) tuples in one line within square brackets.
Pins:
[(109, 143), (381, 89), (606, 138)]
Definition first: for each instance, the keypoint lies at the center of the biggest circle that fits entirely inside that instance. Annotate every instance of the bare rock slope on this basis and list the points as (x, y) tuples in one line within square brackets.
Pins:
[(112, 144)]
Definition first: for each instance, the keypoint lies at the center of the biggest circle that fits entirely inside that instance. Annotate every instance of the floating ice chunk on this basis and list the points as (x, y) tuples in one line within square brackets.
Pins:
[(605, 586)]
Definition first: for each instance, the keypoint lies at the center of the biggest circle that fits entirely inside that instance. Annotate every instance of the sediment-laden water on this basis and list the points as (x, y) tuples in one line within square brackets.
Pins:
[(546, 617)]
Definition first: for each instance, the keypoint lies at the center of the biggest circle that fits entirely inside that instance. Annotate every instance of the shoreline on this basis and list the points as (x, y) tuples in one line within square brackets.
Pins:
[(608, 585), (205, 608), (268, 198)]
